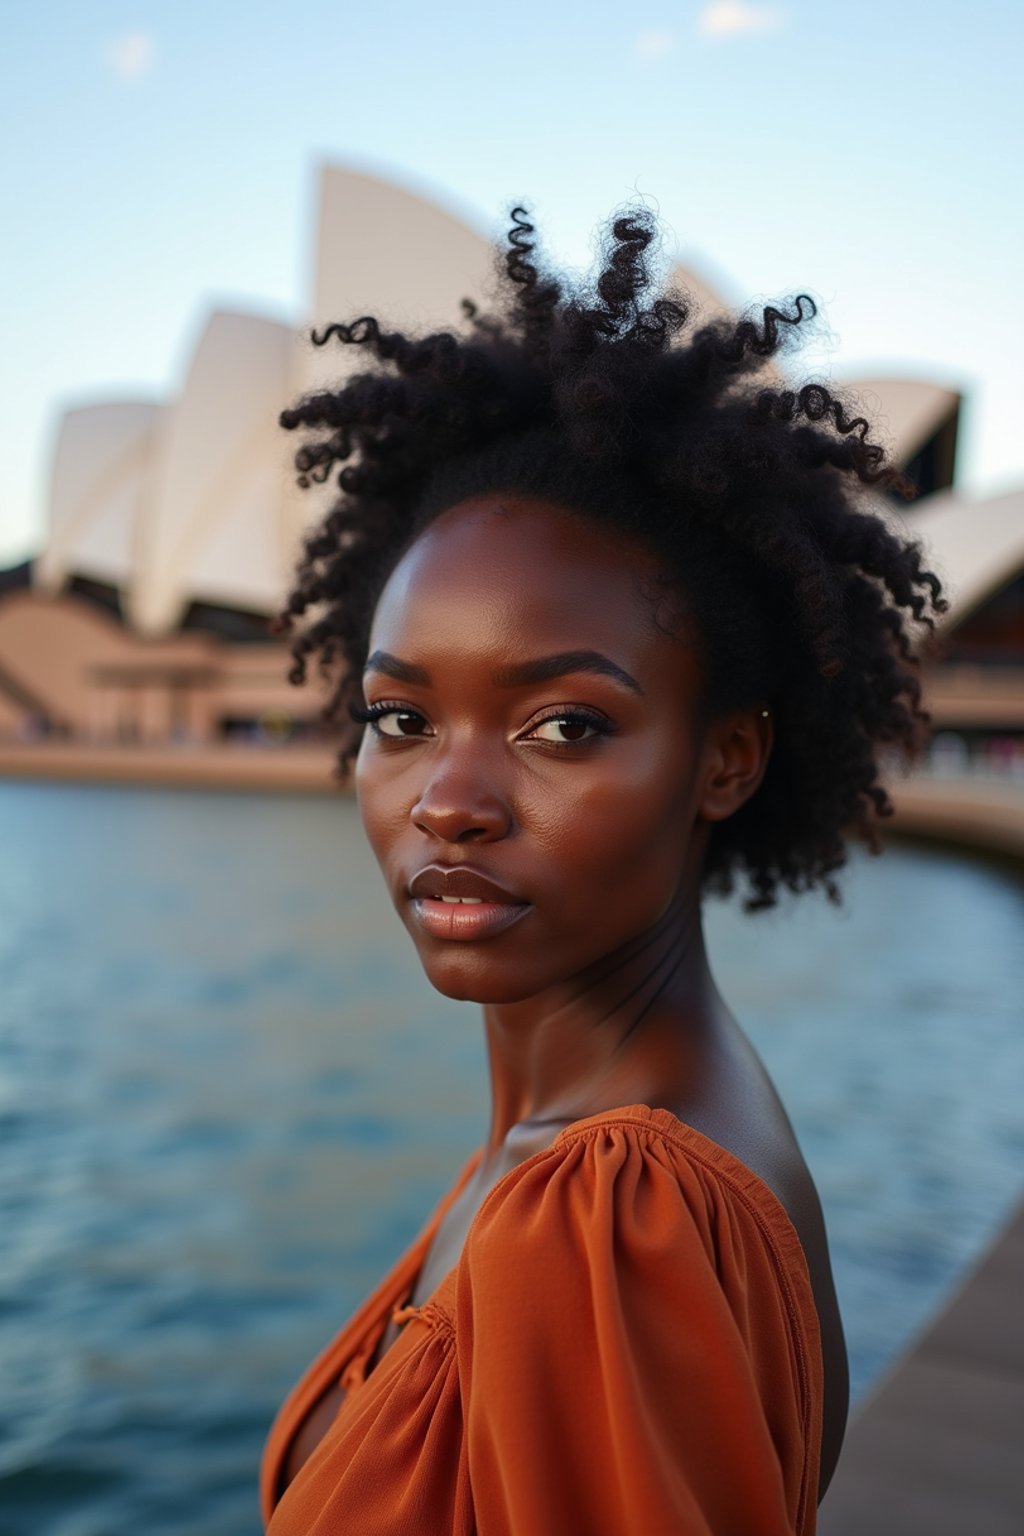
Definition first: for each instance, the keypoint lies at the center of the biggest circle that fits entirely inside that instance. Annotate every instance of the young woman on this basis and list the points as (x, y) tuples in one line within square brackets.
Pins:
[(616, 627)]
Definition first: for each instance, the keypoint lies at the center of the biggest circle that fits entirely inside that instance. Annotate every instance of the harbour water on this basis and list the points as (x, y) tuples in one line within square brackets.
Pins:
[(228, 1099)]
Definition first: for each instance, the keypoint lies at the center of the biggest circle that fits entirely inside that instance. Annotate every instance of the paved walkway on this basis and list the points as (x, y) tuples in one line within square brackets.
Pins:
[(220, 765), (972, 811), (938, 1449)]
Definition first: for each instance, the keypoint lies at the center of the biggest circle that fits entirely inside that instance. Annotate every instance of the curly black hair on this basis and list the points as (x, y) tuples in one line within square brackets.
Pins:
[(752, 496)]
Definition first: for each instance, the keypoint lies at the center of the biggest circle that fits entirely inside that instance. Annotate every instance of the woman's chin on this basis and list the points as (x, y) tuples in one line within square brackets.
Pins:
[(475, 981)]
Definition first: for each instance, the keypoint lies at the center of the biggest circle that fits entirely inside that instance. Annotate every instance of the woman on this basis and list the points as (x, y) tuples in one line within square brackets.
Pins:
[(617, 629)]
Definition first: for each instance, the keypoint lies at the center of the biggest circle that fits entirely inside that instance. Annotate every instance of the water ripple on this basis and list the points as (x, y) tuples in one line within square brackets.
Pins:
[(227, 1100)]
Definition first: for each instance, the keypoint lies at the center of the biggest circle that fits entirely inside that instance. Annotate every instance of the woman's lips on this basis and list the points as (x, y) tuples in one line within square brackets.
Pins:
[(465, 920), (459, 902)]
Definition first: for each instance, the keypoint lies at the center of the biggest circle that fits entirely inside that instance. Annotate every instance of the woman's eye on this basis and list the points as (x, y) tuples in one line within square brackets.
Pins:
[(566, 730), (400, 722)]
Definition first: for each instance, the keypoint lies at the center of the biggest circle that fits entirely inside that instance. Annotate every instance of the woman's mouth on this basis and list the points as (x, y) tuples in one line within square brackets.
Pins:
[(456, 917), (462, 903)]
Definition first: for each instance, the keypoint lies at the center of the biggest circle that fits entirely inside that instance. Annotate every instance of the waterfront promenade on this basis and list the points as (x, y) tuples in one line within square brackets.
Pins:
[(938, 1448), (970, 810), (224, 765)]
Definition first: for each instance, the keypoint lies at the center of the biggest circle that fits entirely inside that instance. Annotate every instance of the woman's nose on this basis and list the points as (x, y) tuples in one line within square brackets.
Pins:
[(462, 805)]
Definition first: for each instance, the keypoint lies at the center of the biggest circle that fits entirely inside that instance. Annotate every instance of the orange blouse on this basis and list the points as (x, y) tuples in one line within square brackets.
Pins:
[(628, 1346)]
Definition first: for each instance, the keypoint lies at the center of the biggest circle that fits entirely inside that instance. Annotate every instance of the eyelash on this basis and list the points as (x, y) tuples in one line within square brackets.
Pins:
[(366, 714), (370, 714), (600, 724)]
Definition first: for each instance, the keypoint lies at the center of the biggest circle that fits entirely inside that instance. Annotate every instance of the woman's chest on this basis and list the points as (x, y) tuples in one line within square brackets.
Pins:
[(441, 1258), (449, 1240)]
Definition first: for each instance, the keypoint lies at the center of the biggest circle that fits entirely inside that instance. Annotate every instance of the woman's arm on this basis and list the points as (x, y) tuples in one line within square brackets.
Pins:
[(631, 1363)]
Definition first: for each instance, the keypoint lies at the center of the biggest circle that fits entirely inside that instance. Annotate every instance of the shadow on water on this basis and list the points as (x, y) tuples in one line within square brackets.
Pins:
[(228, 1100)]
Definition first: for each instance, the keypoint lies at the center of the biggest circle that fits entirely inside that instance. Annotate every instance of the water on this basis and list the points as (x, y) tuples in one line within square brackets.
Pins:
[(228, 1100)]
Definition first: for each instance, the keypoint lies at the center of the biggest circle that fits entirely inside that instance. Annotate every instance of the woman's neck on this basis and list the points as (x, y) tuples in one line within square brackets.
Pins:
[(634, 1023)]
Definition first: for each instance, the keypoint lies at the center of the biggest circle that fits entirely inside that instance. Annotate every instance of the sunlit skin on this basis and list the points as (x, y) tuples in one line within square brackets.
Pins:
[(587, 788), (600, 991), (588, 793)]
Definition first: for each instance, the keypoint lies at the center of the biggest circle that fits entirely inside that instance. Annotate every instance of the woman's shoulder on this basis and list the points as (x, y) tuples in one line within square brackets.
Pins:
[(658, 1271), (642, 1172), (637, 1202)]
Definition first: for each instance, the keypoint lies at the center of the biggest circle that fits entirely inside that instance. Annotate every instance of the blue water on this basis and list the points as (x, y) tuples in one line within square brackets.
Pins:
[(228, 1100)]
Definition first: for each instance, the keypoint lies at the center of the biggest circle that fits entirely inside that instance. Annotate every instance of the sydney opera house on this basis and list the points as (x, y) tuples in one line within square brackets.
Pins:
[(136, 644)]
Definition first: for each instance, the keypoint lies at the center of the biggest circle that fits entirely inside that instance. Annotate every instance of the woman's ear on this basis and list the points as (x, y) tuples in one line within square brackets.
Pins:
[(736, 752)]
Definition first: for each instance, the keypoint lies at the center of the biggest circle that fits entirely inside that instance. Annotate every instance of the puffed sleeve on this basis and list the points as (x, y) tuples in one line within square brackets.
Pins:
[(638, 1351)]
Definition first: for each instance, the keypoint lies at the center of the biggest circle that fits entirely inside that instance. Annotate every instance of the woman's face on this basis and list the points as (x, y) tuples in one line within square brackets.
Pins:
[(535, 731)]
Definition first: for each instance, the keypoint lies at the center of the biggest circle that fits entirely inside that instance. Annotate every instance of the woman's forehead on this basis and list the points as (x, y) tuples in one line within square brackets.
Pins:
[(512, 560)]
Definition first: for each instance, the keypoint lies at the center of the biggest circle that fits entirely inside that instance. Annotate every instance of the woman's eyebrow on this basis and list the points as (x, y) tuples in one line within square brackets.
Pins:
[(394, 666), (546, 668)]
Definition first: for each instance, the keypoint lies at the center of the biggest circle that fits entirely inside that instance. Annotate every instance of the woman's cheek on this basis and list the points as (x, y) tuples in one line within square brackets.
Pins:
[(643, 795), (384, 814)]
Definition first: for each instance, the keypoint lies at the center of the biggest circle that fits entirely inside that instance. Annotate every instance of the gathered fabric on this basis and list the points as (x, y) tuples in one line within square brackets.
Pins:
[(628, 1346)]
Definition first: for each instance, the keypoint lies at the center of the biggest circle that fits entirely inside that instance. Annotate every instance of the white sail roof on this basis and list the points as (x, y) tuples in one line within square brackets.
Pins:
[(974, 547), (904, 413), (196, 499), (102, 466), (212, 527)]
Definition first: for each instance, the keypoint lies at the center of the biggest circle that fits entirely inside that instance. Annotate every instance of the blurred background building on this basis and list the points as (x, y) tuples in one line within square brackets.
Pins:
[(174, 526)]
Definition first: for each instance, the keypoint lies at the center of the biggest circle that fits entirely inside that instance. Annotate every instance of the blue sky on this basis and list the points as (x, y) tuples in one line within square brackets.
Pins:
[(158, 159)]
